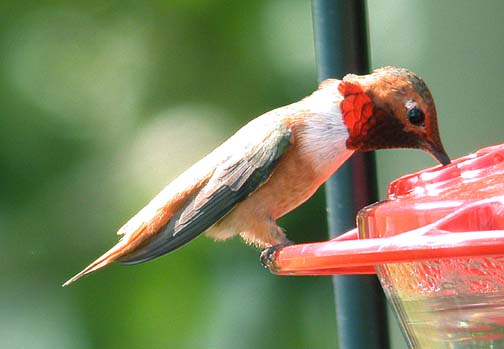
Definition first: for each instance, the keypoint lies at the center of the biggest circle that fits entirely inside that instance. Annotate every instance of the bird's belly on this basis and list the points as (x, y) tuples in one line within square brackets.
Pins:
[(293, 182)]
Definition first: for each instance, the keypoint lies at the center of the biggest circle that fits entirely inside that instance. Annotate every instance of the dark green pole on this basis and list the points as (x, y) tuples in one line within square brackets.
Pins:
[(341, 47)]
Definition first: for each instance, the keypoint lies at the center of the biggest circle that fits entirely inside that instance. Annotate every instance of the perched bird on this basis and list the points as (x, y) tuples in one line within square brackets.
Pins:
[(277, 161)]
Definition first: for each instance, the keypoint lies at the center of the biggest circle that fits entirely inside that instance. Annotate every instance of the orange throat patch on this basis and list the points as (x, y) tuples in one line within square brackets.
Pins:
[(357, 110)]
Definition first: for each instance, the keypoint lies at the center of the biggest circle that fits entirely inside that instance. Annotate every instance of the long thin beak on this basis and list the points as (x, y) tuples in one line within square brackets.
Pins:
[(439, 153), (442, 158)]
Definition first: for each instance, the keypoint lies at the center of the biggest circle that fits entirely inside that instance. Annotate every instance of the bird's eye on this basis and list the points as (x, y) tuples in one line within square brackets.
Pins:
[(416, 116)]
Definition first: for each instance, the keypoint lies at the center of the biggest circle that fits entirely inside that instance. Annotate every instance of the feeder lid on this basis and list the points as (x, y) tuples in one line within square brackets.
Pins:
[(451, 211)]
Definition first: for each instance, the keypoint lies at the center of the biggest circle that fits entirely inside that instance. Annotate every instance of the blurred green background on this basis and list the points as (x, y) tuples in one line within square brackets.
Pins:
[(102, 103)]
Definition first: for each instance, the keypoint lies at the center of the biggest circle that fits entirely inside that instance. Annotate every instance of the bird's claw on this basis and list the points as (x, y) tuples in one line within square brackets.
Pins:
[(268, 254)]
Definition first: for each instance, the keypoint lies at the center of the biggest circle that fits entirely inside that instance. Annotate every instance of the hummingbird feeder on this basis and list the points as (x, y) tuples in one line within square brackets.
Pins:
[(437, 246)]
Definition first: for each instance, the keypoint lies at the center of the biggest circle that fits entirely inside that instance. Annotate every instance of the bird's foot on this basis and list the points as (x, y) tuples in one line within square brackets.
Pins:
[(268, 254)]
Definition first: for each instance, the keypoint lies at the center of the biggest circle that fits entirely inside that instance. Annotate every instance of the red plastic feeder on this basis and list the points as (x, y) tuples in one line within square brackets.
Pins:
[(437, 245)]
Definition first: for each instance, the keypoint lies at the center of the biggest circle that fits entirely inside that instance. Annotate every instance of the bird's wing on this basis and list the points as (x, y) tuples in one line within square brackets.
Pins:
[(198, 198), (232, 181)]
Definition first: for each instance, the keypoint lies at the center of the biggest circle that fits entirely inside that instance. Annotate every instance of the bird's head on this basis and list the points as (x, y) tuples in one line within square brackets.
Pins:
[(390, 108)]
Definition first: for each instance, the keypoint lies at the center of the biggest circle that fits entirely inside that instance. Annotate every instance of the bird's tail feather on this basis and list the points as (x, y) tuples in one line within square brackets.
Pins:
[(108, 257)]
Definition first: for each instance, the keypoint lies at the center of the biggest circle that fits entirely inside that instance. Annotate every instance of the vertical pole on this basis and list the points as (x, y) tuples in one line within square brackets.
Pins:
[(341, 47)]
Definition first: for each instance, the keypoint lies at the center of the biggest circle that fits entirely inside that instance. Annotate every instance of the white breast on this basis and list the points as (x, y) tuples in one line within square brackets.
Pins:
[(323, 135)]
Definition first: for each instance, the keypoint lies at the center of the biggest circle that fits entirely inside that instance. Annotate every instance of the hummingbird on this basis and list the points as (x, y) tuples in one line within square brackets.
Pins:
[(277, 161)]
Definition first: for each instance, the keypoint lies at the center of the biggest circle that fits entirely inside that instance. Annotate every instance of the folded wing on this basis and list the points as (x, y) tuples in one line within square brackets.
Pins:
[(175, 217), (232, 181)]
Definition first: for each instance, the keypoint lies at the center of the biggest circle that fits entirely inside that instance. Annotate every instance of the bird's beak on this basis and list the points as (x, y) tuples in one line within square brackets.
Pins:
[(437, 150)]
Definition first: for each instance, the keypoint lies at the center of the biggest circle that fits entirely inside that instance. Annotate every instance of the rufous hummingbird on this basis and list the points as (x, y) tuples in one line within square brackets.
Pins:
[(277, 161)]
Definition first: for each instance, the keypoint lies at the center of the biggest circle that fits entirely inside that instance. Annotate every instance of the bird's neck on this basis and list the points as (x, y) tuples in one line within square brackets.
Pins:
[(321, 134)]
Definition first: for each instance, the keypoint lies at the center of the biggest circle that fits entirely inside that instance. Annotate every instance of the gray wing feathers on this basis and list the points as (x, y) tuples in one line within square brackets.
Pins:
[(233, 180)]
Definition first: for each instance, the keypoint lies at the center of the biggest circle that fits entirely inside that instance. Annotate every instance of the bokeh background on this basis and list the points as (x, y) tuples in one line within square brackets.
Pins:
[(102, 103)]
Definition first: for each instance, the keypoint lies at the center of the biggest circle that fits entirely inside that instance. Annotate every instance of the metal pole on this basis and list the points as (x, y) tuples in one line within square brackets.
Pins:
[(341, 47)]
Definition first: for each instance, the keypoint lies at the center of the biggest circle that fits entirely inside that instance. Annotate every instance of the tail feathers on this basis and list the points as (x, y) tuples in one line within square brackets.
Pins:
[(110, 256)]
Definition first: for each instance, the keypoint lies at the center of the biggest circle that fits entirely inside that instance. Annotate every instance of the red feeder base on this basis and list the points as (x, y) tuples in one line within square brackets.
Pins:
[(437, 245)]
